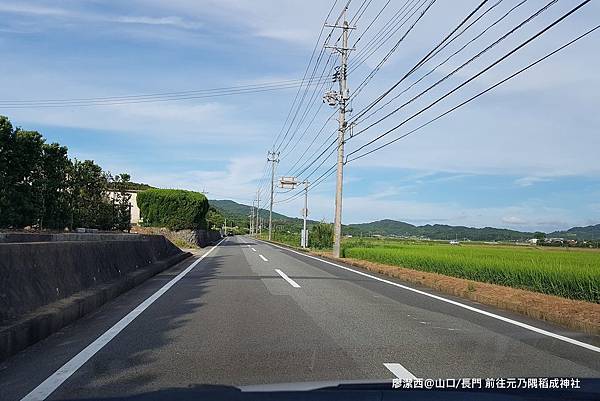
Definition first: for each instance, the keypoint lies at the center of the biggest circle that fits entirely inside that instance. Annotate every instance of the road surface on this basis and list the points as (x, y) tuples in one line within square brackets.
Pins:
[(250, 313)]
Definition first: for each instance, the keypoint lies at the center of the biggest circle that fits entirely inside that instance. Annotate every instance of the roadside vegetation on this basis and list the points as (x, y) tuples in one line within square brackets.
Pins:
[(42, 188), (566, 272), (320, 236), (174, 209)]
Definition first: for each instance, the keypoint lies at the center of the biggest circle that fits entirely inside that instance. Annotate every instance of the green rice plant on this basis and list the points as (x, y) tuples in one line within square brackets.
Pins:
[(571, 273)]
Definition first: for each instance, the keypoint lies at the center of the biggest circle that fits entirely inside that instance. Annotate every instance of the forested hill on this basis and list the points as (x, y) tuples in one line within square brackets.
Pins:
[(588, 232), (388, 227), (234, 210), (435, 231)]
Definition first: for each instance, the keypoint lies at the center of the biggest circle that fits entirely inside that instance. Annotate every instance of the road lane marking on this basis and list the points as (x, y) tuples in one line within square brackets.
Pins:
[(286, 278), (253, 250), (263, 258), (456, 303), (48, 386), (399, 371)]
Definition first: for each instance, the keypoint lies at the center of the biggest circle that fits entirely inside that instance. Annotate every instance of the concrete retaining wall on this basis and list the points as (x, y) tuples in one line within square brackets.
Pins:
[(59, 237), (201, 238), (46, 285)]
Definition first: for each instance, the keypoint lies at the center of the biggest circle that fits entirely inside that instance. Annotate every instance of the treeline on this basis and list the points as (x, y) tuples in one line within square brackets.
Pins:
[(41, 187)]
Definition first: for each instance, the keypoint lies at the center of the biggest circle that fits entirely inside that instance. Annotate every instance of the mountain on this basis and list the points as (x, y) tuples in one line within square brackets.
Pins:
[(381, 227), (387, 227), (234, 210), (588, 232), (237, 211), (435, 231)]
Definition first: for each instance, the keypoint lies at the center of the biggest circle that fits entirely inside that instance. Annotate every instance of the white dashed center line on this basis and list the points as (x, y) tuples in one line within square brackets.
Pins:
[(286, 278), (253, 250), (263, 258)]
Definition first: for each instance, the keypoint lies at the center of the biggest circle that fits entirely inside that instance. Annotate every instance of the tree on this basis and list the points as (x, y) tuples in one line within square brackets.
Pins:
[(121, 201), (539, 235), (54, 209), (25, 170), (321, 236), (7, 139), (214, 219), (89, 202), (40, 186)]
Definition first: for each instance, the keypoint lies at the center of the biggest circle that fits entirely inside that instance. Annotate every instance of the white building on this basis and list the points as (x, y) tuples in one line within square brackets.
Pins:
[(135, 210)]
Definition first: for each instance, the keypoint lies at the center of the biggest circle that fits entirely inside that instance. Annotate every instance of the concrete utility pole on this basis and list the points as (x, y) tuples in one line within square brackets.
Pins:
[(252, 219), (305, 215), (257, 228), (273, 158), (341, 98)]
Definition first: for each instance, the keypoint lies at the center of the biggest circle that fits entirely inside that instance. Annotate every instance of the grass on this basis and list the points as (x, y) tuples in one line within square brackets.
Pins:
[(180, 243), (569, 273)]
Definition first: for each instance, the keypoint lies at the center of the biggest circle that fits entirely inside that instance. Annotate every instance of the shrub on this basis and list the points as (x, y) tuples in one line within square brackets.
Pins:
[(321, 236), (173, 208)]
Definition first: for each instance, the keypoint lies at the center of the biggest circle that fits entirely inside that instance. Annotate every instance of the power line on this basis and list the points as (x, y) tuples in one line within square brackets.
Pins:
[(134, 99), (360, 11), (308, 108), (312, 186), (314, 70), (491, 46), (306, 71), (372, 22), (475, 76), (360, 59), (332, 143), (420, 63), (370, 76), (475, 96), (385, 30), (443, 62), (317, 135)]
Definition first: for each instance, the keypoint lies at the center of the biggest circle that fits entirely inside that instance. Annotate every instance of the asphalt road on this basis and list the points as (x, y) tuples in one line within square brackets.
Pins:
[(250, 313)]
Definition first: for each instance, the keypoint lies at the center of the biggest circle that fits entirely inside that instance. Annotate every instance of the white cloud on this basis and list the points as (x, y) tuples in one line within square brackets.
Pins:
[(530, 180), (542, 125), (231, 179), (514, 220), (171, 21), (32, 9), (79, 15)]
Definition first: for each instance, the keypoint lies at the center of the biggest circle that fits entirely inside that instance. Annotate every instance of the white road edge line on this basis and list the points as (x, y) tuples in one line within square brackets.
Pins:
[(461, 305), (48, 386), (263, 258), (399, 371), (253, 250), (286, 278)]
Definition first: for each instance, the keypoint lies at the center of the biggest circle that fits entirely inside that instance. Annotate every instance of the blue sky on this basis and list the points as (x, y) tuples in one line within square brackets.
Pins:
[(524, 156)]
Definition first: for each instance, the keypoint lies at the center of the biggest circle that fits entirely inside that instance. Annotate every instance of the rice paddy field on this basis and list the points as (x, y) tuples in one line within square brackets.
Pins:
[(567, 272)]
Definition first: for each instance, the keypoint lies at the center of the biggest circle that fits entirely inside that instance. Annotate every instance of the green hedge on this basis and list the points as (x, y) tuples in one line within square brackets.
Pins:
[(173, 208)]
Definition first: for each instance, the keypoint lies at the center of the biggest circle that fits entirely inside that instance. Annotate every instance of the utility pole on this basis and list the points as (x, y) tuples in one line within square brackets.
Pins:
[(252, 219), (225, 226), (273, 158), (341, 99), (257, 228), (305, 215)]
